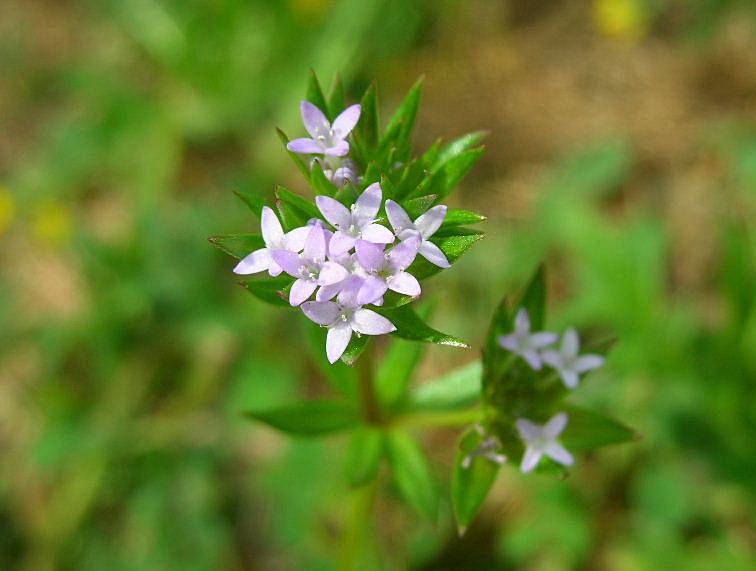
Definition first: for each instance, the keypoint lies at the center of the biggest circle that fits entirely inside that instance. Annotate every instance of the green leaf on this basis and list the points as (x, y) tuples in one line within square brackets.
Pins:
[(456, 389), (336, 97), (495, 359), (456, 217), (417, 206), (587, 430), (303, 207), (338, 375), (320, 182), (274, 291), (355, 348), (301, 164), (443, 181), (454, 149), (368, 126), (363, 456), (412, 176), (311, 418), (534, 299), (253, 201), (453, 246), (470, 486), (316, 96), (400, 126), (237, 245), (410, 326), (430, 156), (395, 371), (412, 475)]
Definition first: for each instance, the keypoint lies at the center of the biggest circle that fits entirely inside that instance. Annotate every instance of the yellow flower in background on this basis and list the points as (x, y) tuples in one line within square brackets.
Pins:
[(7, 209), (624, 19), (52, 223)]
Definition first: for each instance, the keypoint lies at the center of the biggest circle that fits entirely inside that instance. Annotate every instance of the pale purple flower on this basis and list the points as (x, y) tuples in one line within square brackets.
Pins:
[(343, 319), (542, 440), (386, 270), (326, 139), (488, 448), (311, 268), (526, 344), (275, 239), (355, 223), (339, 171), (568, 362), (426, 225)]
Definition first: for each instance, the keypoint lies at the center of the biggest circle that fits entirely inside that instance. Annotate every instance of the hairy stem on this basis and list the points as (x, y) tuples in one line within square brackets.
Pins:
[(371, 410)]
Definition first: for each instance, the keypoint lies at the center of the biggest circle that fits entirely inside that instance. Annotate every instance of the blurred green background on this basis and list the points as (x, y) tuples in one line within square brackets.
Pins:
[(622, 151)]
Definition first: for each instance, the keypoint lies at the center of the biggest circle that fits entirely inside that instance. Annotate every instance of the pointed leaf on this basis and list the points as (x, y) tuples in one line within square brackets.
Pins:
[(303, 207), (417, 206), (395, 371), (456, 217), (311, 418), (412, 474), (320, 182), (400, 126), (339, 375), (587, 430), (298, 160), (316, 96), (471, 485), (455, 148), (448, 176), (336, 97), (367, 128), (274, 291), (354, 349), (253, 201), (363, 457), (409, 326), (237, 245), (453, 246), (457, 389), (534, 299)]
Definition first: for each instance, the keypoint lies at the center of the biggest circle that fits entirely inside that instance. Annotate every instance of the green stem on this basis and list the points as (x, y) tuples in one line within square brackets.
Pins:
[(369, 405), (355, 544), (427, 419)]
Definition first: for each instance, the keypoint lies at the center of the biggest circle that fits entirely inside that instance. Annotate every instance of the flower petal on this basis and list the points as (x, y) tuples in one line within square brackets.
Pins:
[(368, 322), (315, 245), (338, 149), (398, 216), (377, 234), (314, 120), (368, 204), (555, 425), (530, 460), (586, 363), (301, 290), (570, 378), (542, 339), (403, 254), (529, 431), (332, 273), (289, 261), (337, 341), (570, 343), (340, 244), (508, 342), (559, 453), (257, 261), (430, 221), (327, 293), (405, 283), (522, 321), (305, 146), (336, 213), (372, 289), (272, 230), (321, 312), (350, 289), (370, 256), (346, 121), (294, 240), (433, 254), (533, 358), (552, 358)]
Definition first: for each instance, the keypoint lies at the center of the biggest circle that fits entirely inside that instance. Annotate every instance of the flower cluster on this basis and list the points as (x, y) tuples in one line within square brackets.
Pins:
[(328, 142), (350, 258)]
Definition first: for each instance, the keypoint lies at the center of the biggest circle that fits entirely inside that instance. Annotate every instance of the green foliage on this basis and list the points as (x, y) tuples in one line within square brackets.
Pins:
[(364, 455), (412, 474), (312, 418)]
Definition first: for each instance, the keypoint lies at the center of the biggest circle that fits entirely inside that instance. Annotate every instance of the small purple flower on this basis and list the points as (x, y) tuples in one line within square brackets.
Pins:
[(542, 440), (568, 362), (488, 448), (311, 267), (426, 225), (386, 270), (359, 222), (343, 319), (526, 344), (326, 139), (275, 239)]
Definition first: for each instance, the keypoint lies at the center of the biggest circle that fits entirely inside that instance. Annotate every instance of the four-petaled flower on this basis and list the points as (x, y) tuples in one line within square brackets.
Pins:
[(311, 268), (326, 139), (386, 270), (568, 362), (275, 239), (542, 440), (344, 318), (355, 223), (526, 344), (424, 227)]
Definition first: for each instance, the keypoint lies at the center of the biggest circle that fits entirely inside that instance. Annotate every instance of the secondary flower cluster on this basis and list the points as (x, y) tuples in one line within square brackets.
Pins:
[(328, 142), (349, 262), (542, 440)]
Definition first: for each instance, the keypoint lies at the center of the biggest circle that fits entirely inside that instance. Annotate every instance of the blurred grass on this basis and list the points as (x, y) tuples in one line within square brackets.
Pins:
[(623, 154)]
